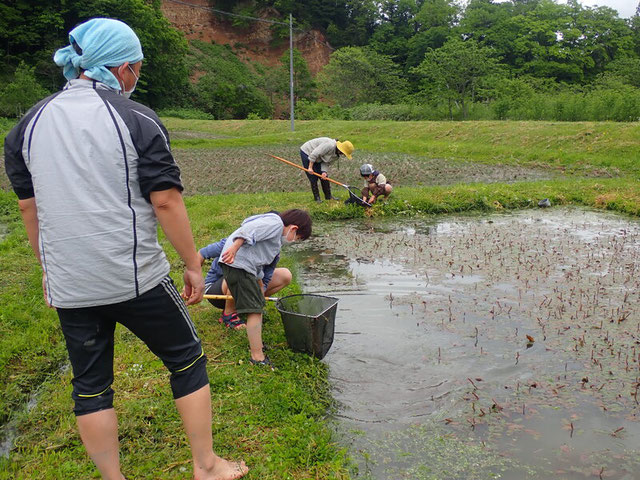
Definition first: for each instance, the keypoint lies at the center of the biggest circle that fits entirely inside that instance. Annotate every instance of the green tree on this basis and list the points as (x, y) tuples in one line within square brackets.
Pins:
[(569, 42), (357, 26), (164, 76), (22, 93), (635, 31), (227, 87), (603, 36), (396, 26), (274, 82), (456, 70), (626, 69), (434, 24), (303, 84), (483, 19), (31, 31), (359, 75)]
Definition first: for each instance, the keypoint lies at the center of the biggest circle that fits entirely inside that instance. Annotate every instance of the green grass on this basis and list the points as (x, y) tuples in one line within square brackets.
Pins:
[(272, 420), (275, 421)]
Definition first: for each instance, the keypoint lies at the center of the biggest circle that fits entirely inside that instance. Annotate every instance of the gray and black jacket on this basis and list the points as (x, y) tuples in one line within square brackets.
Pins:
[(91, 159)]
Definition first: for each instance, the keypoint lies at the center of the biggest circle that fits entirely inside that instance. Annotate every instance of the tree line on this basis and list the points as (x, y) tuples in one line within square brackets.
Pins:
[(398, 59)]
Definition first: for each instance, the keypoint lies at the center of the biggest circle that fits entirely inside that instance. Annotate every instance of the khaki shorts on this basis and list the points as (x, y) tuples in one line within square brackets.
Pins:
[(245, 290)]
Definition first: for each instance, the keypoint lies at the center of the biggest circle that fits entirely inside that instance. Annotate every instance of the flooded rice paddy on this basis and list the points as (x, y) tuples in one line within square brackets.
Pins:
[(224, 170), (485, 347)]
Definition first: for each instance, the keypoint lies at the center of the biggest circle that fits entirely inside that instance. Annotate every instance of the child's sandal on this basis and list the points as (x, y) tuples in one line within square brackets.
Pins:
[(231, 320), (263, 363), (236, 323)]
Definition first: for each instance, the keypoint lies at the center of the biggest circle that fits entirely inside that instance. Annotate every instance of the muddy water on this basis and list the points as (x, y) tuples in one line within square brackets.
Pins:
[(485, 347)]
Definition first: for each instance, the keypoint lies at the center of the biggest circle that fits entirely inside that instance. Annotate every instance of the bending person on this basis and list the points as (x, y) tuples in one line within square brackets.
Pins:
[(94, 174), (274, 280), (246, 253), (316, 155)]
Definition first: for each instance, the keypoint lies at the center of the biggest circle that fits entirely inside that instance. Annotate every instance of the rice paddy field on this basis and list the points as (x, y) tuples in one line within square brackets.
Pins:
[(572, 293)]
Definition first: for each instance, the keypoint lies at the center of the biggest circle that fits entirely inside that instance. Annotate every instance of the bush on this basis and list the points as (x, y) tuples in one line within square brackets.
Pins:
[(399, 112), (619, 105), (307, 110), (21, 94), (185, 113), (228, 88), (6, 124)]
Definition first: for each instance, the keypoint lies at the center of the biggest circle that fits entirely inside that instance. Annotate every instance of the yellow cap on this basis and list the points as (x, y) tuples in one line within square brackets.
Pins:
[(346, 147)]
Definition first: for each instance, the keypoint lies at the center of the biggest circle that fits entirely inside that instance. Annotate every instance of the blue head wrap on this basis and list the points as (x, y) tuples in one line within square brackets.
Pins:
[(104, 42)]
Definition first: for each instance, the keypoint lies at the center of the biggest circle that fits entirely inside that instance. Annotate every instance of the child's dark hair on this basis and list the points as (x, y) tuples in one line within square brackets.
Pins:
[(300, 218)]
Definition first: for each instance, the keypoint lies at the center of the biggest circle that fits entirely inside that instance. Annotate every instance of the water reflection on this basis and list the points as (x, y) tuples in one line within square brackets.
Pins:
[(510, 341)]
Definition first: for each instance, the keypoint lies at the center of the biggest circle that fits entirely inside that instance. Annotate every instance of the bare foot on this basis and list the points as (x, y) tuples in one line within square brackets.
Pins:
[(223, 470)]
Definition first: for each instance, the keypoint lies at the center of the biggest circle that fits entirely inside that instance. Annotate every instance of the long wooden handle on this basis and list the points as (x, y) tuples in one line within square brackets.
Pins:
[(229, 297), (307, 171)]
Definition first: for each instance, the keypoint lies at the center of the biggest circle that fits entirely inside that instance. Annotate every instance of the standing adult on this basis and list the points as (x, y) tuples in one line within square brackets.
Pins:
[(94, 174), (316, 155)]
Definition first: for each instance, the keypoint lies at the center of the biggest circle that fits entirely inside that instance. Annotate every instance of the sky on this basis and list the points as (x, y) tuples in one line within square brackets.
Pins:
[(625, 8)]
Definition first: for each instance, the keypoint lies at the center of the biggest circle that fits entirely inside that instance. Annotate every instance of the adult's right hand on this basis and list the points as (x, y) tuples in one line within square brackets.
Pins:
[(193, 286)]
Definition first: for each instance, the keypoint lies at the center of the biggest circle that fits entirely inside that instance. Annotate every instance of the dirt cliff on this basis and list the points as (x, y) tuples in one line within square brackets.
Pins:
[(255, 42)]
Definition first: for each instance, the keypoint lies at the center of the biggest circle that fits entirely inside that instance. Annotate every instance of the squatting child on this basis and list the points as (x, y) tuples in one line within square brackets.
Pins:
[(274, 279), (246, 253), (375, 184)]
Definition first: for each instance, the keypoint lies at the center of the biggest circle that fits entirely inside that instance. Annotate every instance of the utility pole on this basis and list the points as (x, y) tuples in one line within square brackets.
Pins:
[(291, 66)]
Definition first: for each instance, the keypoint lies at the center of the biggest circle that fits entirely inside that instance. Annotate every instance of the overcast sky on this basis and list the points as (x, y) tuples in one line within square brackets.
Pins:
[(625, 8)]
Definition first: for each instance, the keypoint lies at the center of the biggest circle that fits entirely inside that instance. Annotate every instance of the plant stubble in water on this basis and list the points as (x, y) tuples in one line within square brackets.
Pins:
[(472, 347)]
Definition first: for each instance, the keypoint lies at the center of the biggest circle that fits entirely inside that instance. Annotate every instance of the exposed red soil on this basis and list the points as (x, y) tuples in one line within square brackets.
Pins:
[(254, 43)]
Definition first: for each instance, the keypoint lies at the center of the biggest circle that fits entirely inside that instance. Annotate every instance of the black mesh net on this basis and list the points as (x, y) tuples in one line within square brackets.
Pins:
[(309, 322)]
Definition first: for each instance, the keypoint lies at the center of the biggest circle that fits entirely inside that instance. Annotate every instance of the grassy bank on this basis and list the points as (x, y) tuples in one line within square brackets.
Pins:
[(270, 419)]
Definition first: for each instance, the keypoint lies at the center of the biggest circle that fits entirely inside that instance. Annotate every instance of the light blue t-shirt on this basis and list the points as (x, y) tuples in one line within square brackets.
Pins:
[(262, 236)]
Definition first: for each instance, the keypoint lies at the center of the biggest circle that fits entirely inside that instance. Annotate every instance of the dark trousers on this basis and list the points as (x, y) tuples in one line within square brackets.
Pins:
[(313, 180)]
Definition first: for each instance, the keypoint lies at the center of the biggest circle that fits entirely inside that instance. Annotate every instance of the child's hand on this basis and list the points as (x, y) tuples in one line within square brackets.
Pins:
[(229, 256), (372, 199)]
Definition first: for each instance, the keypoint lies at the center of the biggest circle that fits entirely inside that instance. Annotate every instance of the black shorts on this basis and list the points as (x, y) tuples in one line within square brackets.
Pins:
[(215, 288), (158, 317)]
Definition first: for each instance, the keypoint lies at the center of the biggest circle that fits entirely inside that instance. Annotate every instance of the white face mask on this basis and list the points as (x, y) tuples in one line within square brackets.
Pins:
[(127, 93), (285, 238)]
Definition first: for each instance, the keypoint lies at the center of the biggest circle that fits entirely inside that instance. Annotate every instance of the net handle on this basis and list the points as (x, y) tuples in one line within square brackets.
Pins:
[(360, 201), (229, 297), (307, 171)]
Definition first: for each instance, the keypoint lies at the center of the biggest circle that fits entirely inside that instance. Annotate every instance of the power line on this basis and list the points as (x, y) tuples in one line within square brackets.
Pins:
[(230, 14)]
